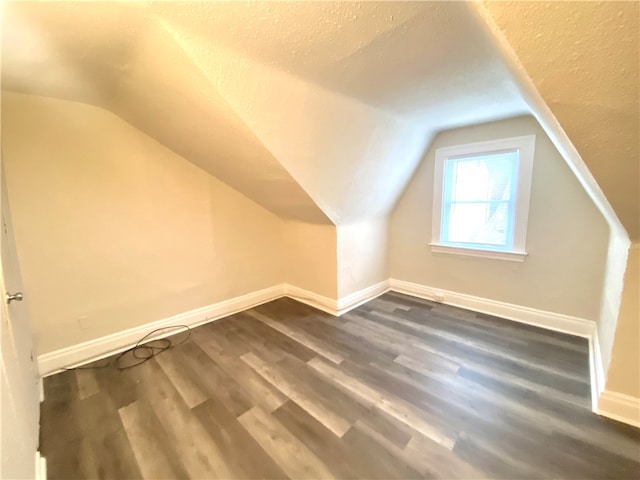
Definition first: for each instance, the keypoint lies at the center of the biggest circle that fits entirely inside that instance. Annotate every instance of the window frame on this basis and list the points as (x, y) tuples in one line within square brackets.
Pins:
[(525, 146)]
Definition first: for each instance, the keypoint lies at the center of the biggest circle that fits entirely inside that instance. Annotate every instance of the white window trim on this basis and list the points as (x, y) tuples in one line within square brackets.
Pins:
[(526, 146), (478, 252)]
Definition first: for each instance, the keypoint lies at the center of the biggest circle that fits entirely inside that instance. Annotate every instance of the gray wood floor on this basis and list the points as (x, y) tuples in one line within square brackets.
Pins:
[(398, 388)]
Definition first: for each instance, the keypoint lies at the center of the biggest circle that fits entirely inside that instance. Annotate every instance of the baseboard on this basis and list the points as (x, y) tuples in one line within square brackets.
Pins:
[(356, 299), (340, 306), (102, 347), (530, 316), (620, 407), (614, 405), (41, 467), (315, 300), (52, 362), (596, 370)]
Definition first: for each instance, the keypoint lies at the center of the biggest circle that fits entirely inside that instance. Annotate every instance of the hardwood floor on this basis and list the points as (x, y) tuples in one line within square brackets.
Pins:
[(397, 388)]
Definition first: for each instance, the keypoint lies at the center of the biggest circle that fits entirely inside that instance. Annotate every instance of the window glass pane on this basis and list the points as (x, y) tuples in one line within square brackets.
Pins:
[(481, 178), (478, 191), (483, 223)]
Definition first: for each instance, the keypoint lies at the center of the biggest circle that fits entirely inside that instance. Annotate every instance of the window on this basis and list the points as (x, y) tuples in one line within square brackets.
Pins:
[(481, 198)]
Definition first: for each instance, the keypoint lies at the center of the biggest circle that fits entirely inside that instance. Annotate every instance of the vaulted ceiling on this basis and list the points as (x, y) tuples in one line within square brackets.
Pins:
[(584, 59), (319, 111)]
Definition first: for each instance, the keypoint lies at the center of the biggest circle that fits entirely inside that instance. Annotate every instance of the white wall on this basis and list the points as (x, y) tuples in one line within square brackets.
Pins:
[(623, 375), (114, 230), (310, 257), (362, 255), (566, 240), (336, 261)]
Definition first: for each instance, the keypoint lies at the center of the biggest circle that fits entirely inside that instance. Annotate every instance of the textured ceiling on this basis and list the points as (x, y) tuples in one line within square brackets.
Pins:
[(318, 111), (303, 37), (117, 56), (69, 51), (583, 58), (409, 58)]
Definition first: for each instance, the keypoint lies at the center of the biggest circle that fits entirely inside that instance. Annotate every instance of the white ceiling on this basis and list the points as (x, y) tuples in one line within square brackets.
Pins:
[(584, 59), (319, 111)]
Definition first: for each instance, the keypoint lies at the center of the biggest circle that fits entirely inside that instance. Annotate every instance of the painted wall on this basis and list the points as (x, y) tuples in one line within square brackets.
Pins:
[(566, 240), (362, 255), (311, 258), (114, 230), (611, 299), (624, 370)]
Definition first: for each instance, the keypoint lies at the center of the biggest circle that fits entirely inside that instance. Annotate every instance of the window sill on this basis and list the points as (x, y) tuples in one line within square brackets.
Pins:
[(473, 252)]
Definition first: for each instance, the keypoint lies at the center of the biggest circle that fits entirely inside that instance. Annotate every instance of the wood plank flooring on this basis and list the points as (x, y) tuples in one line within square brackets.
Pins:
[(398, 388)]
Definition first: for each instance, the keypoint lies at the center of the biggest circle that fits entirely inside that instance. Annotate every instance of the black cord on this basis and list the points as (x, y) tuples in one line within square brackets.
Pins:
[(133, 357)]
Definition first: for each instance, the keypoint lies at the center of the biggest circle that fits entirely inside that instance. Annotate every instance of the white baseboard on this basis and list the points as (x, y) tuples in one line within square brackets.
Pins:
[(356, 299), (315, 300), (340, 306), (52, 362), (620, 407), (614, 405), (41, 467), (530, 316), (102, 347)]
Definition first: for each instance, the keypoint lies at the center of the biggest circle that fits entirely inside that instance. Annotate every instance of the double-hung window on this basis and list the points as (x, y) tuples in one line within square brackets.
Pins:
[(481, 198)]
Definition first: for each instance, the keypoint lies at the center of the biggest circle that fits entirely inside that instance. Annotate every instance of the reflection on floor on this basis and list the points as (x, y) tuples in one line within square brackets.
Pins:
[(398, 388)]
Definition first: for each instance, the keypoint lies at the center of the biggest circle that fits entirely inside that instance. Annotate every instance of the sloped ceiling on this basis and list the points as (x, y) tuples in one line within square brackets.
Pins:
[(584, 58), (318, 111), (116, 56)]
